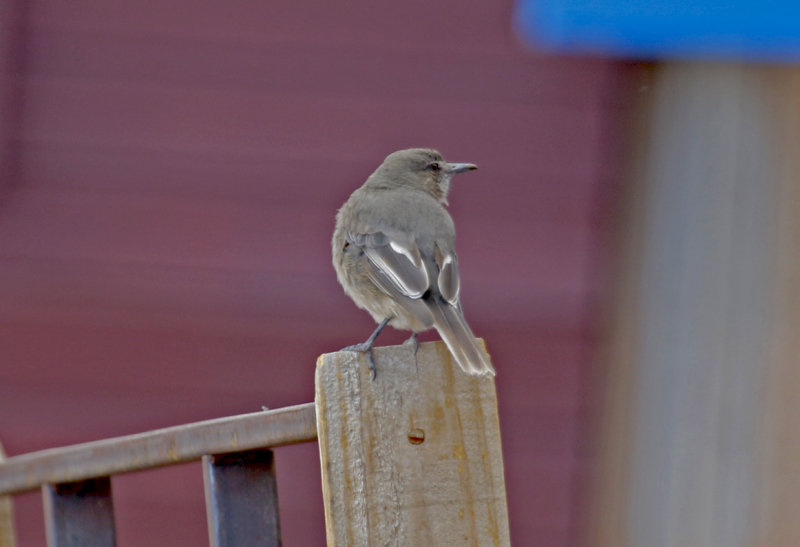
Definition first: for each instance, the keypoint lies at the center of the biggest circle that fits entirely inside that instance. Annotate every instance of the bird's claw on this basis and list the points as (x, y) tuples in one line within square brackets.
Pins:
[(412, 340), (365, 347)]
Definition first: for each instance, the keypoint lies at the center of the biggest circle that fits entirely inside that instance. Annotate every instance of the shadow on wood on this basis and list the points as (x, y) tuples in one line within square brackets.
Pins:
[(412, 458)]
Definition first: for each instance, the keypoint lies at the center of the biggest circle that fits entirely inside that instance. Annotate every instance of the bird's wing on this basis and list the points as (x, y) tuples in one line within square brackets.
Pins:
[(448, 281), (397, 265)]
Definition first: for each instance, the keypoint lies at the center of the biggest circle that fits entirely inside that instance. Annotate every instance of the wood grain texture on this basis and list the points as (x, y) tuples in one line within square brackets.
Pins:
[(412, 458)]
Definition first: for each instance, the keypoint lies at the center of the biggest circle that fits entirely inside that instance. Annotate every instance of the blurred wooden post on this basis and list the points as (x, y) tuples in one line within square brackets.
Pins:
[(780, 441), (699, 442), (412, 458), (7, 538)]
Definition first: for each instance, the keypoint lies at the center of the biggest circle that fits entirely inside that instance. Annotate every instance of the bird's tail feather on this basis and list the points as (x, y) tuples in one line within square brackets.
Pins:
[(454, 330)]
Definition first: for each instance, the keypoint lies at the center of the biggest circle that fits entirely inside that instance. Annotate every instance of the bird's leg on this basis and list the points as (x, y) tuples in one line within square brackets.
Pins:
[(366, 347), (413, 340)]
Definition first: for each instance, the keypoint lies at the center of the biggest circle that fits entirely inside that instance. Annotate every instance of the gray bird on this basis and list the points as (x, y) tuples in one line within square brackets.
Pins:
[(394, 254)]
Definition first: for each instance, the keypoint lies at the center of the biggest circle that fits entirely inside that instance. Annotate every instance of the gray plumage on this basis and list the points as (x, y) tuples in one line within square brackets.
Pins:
[(394, 253)]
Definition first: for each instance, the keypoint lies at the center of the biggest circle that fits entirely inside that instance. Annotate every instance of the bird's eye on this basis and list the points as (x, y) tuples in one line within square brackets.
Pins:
[(434, 166)]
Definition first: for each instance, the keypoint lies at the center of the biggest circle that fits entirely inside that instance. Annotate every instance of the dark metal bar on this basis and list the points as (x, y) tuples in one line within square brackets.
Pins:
[(242, 499), (168, 446), (79, 514)]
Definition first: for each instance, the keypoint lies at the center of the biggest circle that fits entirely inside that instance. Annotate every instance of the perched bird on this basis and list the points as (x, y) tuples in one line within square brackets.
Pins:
[(394, 254)]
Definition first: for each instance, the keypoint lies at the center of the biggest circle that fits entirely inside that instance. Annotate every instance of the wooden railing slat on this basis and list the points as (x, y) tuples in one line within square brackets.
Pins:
[(168, 446)]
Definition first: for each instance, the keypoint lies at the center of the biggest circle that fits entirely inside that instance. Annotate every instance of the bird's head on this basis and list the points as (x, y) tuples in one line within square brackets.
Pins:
[(421, 168)]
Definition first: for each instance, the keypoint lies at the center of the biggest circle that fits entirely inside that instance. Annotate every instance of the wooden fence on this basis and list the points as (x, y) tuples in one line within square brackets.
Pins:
[(412, 458)]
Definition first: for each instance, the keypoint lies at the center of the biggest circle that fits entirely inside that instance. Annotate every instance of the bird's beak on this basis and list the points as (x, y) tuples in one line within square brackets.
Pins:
[(460, 167)]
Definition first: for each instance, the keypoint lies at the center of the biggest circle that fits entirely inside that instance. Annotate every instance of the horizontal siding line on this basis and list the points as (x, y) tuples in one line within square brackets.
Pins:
[(352, 72)]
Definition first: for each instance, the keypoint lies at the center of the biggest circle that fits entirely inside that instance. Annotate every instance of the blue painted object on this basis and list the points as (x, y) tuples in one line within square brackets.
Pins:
[(737, 29)]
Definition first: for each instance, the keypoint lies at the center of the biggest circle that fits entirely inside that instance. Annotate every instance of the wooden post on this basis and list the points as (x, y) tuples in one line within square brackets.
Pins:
[(413, 457), (779, 442), (699, 443)]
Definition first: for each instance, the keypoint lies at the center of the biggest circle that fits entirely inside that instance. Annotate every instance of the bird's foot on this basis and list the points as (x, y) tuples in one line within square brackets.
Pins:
[(413, 340), (365, 347)]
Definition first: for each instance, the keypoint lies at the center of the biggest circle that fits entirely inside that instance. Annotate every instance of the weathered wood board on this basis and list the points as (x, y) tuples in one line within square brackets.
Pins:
[(413, 457)]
